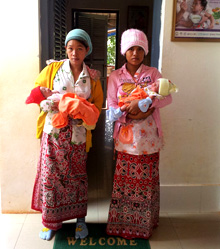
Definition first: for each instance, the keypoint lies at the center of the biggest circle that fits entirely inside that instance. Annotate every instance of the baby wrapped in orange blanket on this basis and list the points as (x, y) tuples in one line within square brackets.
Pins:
[(76, 107)]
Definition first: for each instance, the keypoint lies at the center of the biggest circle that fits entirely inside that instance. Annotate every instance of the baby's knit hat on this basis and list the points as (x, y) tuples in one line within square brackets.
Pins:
[(81, 35), (35, 96), (133, 37), (166, 87)]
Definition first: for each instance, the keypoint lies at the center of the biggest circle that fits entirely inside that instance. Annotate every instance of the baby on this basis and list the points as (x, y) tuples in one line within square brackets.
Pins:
[(39, 94), (198, 17), (59, 106), (159, 89), (46, 98)]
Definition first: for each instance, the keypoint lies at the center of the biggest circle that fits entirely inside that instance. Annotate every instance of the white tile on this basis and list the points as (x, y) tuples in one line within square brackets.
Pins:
[(164, 220), (164, 237), (198, 236), (180, 199), (92, 212), (9, 234), (190, 198), (34, 218), (12, 218), (103, 209), (11, 225), (194, 217), (175, 231), (29, 238), (73, 221), (210, 199)]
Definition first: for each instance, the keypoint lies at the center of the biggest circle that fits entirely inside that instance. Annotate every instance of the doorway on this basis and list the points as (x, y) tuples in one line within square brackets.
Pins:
[(101, 162), (102, 27)]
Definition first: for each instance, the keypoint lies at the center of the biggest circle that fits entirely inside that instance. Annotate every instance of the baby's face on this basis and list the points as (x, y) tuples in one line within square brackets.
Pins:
[(155, 86), (197, 7), (46, 92)]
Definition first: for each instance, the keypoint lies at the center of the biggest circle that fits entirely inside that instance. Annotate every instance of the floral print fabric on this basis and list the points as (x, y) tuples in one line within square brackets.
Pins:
[(134, 208), (60, 190), (145, 139), (63, 83)]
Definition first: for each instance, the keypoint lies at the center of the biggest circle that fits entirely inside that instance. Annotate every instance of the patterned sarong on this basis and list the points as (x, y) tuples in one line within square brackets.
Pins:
[(134, 208), (60, 190)]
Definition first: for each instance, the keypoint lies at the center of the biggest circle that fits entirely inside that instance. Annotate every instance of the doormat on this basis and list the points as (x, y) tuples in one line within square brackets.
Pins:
[(64, 239)]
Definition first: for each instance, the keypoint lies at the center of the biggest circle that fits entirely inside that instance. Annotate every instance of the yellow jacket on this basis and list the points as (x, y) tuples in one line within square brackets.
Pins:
[(45, 79)]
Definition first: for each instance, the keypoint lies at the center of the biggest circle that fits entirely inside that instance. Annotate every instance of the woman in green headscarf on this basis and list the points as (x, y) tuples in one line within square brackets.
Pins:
[(60, 189)]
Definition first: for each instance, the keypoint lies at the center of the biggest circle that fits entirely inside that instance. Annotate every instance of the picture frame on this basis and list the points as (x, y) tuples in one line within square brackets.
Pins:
[(138, 18), (191, 26)]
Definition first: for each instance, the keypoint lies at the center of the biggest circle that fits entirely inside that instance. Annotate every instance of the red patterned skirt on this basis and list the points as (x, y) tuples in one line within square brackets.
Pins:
[(134, 208), (60, 189)]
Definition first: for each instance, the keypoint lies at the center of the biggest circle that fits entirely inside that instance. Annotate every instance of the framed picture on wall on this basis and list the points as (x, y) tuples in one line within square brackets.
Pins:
[(138, 18), (196, 20)]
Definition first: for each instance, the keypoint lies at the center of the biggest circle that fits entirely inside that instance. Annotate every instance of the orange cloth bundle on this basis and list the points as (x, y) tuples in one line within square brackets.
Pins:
[(126, 134), (137, 93), (77, 108)]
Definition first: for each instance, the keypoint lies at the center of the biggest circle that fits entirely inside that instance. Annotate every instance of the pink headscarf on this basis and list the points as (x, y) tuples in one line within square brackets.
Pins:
[(133, 37)]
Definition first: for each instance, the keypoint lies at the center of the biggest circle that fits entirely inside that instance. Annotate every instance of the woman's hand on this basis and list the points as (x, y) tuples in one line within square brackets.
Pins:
[(183, 6), (141, 115), (183, 9), (133, 108)]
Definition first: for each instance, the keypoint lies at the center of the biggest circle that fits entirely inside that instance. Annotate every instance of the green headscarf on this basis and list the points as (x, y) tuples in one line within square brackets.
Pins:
[(81, 35)]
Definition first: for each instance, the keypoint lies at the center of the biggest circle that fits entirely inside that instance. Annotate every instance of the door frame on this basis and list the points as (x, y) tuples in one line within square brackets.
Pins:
[(46, 32), (102, 11), (156, 30)]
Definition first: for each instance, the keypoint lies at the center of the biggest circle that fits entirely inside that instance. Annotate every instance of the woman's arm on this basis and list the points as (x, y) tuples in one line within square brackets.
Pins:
[(112, 91), (134, 110), (141, 115), (160, 103)]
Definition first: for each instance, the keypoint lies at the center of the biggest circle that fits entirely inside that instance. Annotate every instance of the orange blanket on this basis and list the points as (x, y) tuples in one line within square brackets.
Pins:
[(138, 93), (77, 108)]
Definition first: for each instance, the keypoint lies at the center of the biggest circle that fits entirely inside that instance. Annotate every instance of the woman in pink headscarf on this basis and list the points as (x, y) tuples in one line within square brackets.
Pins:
[(134, 207)]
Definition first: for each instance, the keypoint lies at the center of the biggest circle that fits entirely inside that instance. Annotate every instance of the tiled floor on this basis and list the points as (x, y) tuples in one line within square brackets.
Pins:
[(176, 231)]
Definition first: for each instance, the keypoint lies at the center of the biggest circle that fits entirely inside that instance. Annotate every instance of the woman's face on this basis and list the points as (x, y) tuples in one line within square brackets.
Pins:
[(76, 52), (135, 55)]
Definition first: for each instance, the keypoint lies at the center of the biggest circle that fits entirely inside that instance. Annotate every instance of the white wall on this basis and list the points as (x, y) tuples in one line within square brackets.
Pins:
[(19, 68), (189, 169), (190, 162)]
